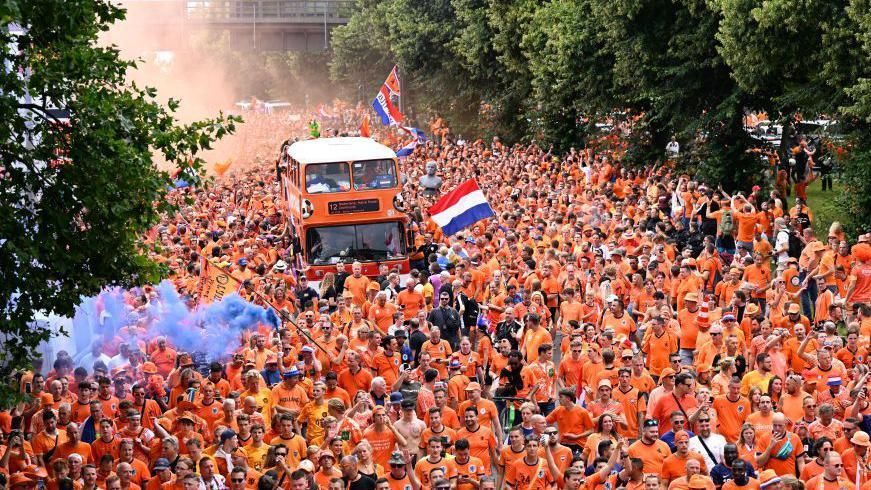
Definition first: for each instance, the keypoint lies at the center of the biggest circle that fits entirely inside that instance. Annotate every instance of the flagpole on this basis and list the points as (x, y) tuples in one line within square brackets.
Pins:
[(401, 76), (281, 314)]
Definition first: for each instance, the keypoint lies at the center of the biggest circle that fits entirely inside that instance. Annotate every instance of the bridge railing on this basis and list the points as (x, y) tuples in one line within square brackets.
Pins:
[(332, 11)]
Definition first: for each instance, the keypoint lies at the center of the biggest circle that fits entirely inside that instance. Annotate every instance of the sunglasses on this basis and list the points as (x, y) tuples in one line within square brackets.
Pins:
[(237, 480)]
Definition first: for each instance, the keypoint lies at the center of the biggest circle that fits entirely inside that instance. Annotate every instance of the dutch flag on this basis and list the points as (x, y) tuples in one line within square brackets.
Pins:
[(461, 208), (407, 149)]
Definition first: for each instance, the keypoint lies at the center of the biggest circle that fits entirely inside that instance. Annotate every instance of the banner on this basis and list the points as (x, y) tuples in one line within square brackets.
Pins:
[(215, 283)]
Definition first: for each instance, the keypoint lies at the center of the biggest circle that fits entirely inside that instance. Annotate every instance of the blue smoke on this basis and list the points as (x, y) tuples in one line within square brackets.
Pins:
[(214, 330)]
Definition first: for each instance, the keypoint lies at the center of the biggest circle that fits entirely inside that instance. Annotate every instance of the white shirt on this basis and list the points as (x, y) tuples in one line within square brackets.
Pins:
[(715, 443), (672, 148), (782, 242)]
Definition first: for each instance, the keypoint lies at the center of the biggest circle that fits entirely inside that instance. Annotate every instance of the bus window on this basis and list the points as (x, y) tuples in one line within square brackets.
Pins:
[(366, 242), (374, 174), (327, 177)]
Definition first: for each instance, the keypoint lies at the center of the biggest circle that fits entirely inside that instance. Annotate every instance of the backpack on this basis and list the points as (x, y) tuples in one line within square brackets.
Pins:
[(795, 246), (727, 223)]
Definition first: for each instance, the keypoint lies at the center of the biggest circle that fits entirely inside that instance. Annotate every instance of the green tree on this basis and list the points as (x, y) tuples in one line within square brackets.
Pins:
[(570, 70), (76, 197)]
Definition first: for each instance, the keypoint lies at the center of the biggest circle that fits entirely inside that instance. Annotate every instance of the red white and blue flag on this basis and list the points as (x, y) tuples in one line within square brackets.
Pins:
[(461, 208), (383, 103), (419, 137)]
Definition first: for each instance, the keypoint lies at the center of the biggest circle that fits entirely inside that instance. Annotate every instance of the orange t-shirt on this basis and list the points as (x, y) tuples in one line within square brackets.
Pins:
[(674, 465), (731, 415), (410, 302), (354, 382), (481, 442), (357, 287), (575, 420), (522, 475), (746, 225), (382, 443), (652, 455), (532, 340)]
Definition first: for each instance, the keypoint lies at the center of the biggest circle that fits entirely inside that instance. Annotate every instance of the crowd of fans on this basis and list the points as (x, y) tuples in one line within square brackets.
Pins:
[(609, 328)]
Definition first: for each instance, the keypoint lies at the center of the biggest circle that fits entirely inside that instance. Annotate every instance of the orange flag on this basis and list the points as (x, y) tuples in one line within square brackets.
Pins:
[(222, 167), (364, 127)]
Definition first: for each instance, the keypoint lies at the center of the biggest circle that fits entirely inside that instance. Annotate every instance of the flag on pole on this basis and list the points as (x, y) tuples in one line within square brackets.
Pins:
[(461, 208), (364, 127), (383, 104)]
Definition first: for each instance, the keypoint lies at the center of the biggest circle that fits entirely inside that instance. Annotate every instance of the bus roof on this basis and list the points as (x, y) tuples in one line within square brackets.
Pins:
[(331, 150)]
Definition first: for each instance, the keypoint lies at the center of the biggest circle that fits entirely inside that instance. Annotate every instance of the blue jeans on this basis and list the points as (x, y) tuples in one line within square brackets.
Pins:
[(686, 356), (808, 296), (546, 408)]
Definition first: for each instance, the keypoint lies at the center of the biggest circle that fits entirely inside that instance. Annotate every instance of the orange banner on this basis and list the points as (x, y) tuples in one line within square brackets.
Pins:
[(215, 283)]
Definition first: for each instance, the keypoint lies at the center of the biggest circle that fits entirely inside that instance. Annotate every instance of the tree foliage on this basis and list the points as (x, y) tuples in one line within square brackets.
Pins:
[(690, 68), (76, 196)]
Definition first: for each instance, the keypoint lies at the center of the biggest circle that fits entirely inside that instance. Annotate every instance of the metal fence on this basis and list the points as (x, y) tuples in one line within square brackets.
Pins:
[(303, 11)]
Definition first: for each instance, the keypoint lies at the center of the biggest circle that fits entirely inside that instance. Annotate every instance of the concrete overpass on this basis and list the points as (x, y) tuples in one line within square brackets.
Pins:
[(261, 25)]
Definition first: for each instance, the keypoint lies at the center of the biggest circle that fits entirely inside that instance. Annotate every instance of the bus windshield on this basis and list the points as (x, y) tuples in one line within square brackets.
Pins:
[(374, 174), (327, 177), (364, 242)]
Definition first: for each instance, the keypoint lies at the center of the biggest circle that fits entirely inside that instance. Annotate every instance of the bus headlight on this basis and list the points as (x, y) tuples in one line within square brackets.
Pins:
[(399, 202), (307, 208)]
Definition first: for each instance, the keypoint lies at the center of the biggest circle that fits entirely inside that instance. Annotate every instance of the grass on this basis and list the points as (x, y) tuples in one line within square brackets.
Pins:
[(824, 207)]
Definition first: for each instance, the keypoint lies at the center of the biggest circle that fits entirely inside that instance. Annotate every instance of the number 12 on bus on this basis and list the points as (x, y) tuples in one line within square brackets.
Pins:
[(344, 205)]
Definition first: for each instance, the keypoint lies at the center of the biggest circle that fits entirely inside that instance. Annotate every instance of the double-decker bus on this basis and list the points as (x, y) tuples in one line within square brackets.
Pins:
[(344, 205)]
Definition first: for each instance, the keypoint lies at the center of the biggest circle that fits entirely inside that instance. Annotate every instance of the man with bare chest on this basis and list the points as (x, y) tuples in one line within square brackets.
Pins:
[(410, 427)]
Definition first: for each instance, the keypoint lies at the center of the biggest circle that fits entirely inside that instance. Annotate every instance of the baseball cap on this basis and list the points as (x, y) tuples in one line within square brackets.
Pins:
[(290, 373), (227, 434), (666, 372), (161, 464), (407, 404), (306, 466), (396, 397), (627, 353), (604, 382), (794, 309)]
